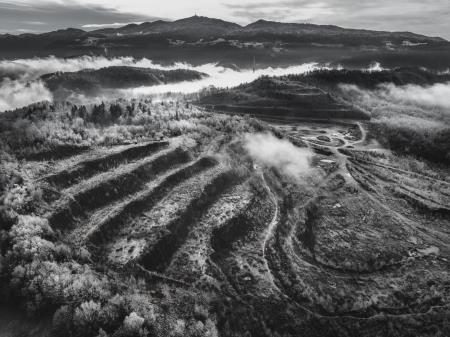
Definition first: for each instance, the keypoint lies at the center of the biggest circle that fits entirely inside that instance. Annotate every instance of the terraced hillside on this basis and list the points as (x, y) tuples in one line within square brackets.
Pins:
[(193, 235)]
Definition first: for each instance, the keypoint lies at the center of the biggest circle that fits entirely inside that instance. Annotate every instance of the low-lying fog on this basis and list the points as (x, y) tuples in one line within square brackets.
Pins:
[(281, 154), (409, 105), (20, 84), (436, 95)]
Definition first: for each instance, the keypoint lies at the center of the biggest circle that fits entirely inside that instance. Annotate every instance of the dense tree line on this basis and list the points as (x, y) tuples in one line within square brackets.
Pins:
[(433, 145), (90, 81), (371, 79)]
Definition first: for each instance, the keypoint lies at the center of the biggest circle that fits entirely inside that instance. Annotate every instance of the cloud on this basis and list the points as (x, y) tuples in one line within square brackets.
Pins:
[(34, 22), (266, 149), (279, 11), (413, 104), (219, 77), (43, 16), (109, 25), (14, 94), (436, 95), (25, 71), (29, 69), (20, 84)]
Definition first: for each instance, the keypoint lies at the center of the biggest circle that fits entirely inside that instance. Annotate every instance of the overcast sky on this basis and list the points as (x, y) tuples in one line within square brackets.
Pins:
[(429, 17)]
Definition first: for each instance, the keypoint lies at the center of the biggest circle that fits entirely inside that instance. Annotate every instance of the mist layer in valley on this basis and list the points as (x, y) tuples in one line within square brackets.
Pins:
[(21, 82)]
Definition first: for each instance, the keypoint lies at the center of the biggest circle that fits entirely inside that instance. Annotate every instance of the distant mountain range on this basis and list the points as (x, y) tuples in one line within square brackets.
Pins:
[(199, 27), (193, 27), (189, 39), (203, 27)]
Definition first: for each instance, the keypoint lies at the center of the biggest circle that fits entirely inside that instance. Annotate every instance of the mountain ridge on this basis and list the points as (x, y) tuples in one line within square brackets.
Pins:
[(219, 27), (199, 40)]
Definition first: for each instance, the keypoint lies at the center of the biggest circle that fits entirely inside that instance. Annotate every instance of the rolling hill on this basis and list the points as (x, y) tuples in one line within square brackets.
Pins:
[(311, 95), (279, 99), (90, 82)]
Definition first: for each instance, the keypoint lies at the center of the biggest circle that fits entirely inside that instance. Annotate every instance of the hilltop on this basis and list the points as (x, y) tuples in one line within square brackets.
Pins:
[(279, 99)]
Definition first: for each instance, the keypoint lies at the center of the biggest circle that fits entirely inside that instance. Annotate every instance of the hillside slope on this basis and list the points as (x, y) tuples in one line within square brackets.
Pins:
[(315, 94), (279, 99), (195, 224)]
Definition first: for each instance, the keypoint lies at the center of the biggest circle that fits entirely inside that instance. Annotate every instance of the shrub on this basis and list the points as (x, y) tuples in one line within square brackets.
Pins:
[(87, 318), (22, 198), (133, 323), (62, 321), (28, 239)]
